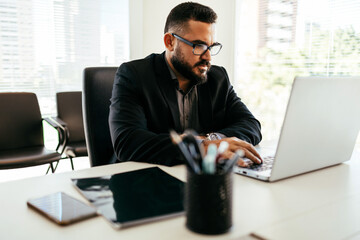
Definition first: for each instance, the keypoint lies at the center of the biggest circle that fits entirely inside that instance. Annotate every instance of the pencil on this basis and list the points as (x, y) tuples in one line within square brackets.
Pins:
[(176, 139)]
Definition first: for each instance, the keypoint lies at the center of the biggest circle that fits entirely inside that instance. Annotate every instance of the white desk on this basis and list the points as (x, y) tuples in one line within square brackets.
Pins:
[(323, 204)]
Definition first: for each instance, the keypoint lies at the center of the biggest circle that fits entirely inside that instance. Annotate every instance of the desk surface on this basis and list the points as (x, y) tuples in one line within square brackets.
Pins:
[(324, 204)]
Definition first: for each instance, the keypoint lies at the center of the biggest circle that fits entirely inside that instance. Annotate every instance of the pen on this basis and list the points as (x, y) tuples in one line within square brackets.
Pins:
[(196, 150), (231, 162), (195, 155), (176, 139), (222, 148), (209, 163)]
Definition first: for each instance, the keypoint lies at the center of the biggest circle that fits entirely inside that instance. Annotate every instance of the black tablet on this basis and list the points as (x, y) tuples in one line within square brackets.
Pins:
[(135, 197)]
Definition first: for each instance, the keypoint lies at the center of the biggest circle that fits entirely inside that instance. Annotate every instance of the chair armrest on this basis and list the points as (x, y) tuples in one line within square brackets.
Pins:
[(58, 120), (52, 123), (63, 133)]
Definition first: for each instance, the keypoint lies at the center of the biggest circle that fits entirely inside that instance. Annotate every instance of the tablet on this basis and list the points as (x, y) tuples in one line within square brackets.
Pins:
[(135, 197)]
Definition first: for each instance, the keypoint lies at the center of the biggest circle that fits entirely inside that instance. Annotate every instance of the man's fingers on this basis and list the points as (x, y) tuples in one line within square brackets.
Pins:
[(250, 151), (254, 152), (227, 155), (236, 144), (242, 163), (252, 157)]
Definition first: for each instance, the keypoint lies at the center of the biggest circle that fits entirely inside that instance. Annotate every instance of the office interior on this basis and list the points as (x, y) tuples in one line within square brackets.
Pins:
[(266, 43), (248, 30)]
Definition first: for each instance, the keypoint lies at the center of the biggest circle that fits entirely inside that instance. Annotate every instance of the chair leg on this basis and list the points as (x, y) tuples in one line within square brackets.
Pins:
[(52, 167), (72, 164), (57, 163)]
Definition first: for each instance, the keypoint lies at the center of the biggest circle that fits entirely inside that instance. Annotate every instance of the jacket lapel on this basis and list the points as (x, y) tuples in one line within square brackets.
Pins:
[(166, 86)]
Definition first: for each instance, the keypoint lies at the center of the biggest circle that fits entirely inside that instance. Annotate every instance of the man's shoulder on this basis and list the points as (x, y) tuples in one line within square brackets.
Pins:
[(144, 61), (145, 70), (217, 74), (215, 69)]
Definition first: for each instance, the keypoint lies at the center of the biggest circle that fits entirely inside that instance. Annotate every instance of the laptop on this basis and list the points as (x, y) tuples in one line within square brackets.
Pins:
[(320, 128)]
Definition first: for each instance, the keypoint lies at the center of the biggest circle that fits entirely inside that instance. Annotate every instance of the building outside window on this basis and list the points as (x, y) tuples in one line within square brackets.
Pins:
[(277, 40), (46, 44)]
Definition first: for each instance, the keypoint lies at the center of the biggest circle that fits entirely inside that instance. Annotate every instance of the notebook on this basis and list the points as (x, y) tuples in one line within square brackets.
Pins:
[(320, 128), (134, 197)]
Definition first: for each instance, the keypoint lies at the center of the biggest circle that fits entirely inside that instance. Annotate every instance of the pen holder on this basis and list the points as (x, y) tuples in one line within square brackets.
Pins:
[(208, 202)]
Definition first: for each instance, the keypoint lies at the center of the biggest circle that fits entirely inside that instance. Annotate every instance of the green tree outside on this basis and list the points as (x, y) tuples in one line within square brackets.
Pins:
[(326, 53)]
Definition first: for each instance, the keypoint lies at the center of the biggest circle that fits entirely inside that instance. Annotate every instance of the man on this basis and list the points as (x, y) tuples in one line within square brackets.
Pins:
[(179, 89)]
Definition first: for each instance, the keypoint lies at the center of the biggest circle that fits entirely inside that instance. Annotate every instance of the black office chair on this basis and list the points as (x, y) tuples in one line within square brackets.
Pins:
[(21, 132), (69, 109), (98, 83)]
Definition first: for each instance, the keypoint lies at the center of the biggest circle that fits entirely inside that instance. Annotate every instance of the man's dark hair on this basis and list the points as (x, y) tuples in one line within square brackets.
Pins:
[(182, 13)]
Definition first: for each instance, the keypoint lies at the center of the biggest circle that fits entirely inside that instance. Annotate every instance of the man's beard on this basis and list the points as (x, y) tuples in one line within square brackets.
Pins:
[(186, 70)]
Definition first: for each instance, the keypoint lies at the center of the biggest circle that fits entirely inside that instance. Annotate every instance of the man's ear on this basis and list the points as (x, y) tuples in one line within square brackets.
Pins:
[(169, 41)]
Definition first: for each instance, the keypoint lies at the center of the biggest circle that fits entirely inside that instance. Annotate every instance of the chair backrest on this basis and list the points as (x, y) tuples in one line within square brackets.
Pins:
[(98, 84), (69, 109), (20, 121)]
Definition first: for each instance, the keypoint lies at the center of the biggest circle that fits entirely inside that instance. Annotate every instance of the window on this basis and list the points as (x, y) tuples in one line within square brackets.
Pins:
[(46, 44), (280, 39)]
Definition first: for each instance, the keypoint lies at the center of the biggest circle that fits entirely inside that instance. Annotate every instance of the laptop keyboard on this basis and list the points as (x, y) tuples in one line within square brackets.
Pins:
[(266, 165)]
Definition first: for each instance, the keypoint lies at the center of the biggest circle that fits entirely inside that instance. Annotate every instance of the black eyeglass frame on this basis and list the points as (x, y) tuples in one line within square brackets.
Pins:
[(193, 45)]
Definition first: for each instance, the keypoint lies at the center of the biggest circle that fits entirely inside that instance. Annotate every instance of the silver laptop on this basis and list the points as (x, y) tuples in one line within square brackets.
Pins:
[(320, 128)]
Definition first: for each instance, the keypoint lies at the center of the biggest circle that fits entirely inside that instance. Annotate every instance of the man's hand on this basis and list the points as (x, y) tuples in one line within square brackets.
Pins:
[(234, 145)]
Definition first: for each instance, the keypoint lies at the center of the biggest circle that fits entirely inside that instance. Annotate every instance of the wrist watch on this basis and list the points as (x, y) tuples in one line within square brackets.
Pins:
[(212, 136)]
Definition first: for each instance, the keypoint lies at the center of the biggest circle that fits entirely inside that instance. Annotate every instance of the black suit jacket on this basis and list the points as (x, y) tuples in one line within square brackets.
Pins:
[(144, 108)]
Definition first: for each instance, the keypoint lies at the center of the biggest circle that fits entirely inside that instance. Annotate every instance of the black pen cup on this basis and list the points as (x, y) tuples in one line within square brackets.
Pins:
[(208, 202)]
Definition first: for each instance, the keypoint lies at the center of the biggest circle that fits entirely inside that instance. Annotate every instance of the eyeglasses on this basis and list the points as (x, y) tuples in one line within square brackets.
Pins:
[(200, 49)]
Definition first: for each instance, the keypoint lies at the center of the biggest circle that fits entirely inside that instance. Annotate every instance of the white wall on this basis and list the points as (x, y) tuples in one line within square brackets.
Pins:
[(147, 21)]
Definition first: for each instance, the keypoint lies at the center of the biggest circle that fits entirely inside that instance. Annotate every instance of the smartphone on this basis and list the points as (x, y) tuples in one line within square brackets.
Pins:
[(62, 208)]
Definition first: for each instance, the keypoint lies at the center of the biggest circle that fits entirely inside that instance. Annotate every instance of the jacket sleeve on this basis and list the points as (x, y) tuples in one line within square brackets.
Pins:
[(239, 121), (132, 140)]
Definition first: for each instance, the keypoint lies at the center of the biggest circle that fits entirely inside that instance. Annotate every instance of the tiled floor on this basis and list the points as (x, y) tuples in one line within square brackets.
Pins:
[(64, 166)]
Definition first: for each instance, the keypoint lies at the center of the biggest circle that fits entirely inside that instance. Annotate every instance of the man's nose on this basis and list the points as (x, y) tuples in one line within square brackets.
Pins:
[(206, 56)]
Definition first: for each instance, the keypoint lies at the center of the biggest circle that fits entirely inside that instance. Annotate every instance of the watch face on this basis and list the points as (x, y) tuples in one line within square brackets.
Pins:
[(212, 136)]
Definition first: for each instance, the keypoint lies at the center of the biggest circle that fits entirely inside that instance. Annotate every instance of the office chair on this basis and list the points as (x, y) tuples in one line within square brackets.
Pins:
[(98, 84), (21, 132), (69, 109)]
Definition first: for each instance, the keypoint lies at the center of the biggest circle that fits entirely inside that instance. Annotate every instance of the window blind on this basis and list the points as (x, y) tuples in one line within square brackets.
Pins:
[(46, 44), (277, 40)]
